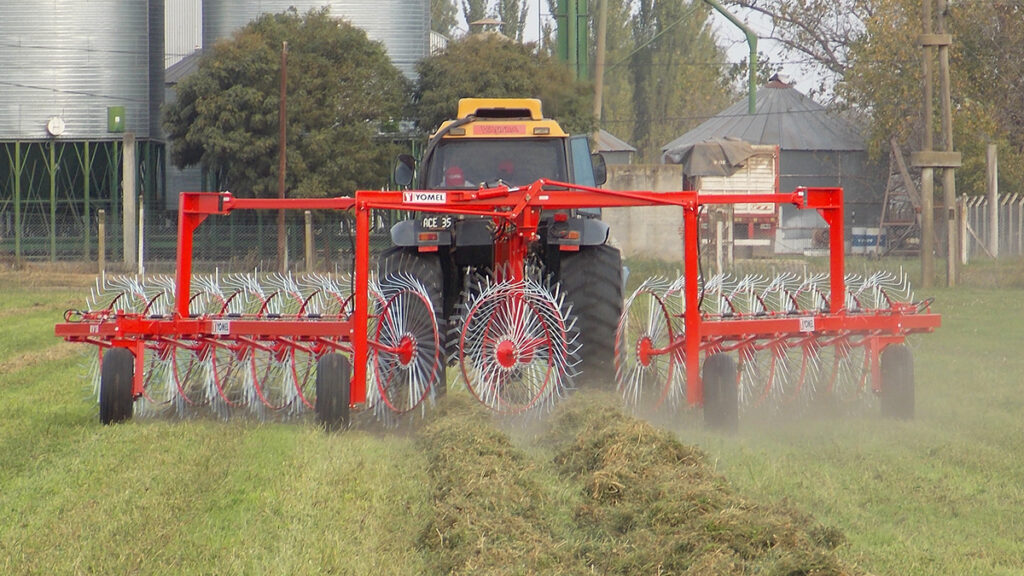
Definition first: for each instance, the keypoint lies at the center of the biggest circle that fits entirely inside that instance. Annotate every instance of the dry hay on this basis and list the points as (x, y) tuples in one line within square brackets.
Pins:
[(653, 506), (641, 503), (489, 513)]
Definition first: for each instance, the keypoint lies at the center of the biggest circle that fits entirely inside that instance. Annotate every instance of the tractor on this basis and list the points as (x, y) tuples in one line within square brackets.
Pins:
[(508, 142)]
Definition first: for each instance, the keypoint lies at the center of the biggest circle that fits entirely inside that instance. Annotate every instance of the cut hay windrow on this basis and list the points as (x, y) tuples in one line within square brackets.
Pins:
[(622, 497)]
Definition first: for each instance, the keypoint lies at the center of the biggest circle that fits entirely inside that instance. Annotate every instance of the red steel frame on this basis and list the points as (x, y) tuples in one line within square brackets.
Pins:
[(521, 209)]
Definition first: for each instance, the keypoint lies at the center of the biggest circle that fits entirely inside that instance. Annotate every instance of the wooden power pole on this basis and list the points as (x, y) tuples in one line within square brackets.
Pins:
[(602, 32), (929, 159), (282, 119)]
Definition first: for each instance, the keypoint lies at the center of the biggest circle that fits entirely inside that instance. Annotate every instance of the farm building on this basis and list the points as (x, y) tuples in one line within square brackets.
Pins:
[(614, 149), (817, 148)]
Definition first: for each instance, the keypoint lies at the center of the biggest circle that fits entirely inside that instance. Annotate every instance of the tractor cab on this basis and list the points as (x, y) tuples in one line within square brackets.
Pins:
[(501, 141)]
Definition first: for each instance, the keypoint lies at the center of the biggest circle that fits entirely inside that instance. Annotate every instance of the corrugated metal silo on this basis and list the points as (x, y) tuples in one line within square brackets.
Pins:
[(77, 60), (403, 26)]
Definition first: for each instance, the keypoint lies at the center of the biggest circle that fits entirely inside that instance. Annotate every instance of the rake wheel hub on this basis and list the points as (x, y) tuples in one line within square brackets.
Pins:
[(406, 349), (643, 351), (507, 354)]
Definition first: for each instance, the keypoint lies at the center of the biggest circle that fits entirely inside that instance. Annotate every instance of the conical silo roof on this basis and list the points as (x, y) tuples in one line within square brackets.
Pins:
[(783, 117)]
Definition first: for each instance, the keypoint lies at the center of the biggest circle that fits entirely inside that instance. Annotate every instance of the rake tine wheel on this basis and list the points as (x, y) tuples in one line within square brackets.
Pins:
[(229, 375), (780, 376), (644, 363), (406, 345), (270, 386), (160, 387), (517, 348)]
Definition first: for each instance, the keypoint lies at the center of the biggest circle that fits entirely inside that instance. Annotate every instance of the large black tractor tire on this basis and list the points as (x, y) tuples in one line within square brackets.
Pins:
[(425, 267), (333, 378), (591, 280), (116, 379), (721, 400), (897, 393)]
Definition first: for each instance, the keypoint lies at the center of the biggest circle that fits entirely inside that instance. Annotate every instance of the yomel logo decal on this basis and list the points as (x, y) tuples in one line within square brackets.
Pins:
[(424, 197)]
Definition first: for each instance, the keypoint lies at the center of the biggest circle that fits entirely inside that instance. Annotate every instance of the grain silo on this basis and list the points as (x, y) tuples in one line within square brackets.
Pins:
[(76, 77), (403, 26)]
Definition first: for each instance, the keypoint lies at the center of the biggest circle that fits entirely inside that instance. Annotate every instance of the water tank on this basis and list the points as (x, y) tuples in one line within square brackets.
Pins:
[(91, 65), (403, 26)]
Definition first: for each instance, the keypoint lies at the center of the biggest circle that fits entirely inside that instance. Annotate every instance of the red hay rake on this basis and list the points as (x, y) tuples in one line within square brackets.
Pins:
[(282, 346)]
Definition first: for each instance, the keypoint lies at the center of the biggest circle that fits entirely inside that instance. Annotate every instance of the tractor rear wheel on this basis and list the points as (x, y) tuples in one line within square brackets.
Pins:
[(897, 393), (333, 374), (591, 280), (116, 378), (721, 403), (426, 269)]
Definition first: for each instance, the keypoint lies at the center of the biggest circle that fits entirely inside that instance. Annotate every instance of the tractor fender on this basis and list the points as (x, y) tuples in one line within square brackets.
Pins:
[(404, 233), (578, 232), (595, 232)]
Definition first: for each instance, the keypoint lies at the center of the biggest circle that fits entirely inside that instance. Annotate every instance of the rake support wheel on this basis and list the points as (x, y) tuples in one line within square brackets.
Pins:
[(332, 391), (897, 394), (116, 377), (721, 405)]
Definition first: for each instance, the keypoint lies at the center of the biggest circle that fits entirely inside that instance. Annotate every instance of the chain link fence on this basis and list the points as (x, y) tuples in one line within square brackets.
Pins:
[(239, 242)]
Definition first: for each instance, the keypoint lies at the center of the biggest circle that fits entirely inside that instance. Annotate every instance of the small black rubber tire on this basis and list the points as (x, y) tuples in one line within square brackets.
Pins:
[(721, 399), (425, 267), (116, 379), (333, 379), (897, 385), (591, 280)]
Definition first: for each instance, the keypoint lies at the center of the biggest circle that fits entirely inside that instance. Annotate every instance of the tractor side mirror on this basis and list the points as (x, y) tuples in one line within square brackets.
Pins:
[(404, 169), (600, 169)]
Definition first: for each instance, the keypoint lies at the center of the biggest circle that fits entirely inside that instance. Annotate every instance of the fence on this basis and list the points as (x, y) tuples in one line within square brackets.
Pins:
[(976, 226), (241, 241)]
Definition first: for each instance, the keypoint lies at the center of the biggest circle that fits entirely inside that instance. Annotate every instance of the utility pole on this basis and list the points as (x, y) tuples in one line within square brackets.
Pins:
[(128, 208), (282, 117), (952, 160), (992, 185), (602, 33), (928, 159)]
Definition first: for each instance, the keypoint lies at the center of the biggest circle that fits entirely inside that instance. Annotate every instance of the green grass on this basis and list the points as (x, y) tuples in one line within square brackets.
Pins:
[(169, 497), (941, 494)]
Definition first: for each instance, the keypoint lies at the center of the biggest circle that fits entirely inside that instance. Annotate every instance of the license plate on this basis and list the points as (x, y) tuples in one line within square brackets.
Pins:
[(436, 222)]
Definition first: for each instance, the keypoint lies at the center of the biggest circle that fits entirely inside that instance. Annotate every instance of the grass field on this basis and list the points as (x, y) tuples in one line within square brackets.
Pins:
[(941, 494)]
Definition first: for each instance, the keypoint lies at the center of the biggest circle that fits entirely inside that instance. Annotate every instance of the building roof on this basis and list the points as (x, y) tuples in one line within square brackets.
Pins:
[(182, 68), (606, 142), (784, 117)]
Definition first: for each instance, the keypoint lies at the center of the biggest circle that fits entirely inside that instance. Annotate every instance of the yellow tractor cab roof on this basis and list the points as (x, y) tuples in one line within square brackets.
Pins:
[(503, 118)]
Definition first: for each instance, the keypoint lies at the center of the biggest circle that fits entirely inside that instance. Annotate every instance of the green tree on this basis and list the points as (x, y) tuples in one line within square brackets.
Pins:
[(486, 65), (819, 33), (884, 78), (867, 55), (512, 14), (341, 88), (474, 10), (665, 72), (443, 15)]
